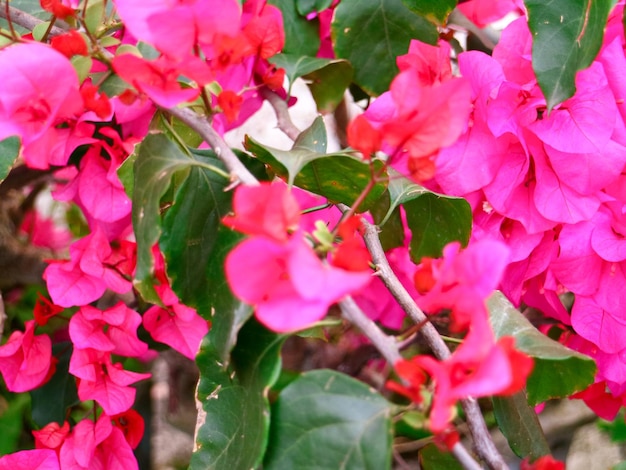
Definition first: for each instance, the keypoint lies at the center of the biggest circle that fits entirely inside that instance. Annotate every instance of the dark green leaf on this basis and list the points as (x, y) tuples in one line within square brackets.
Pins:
[(310, 6), (558, 372), (51, 401), (325, 419), (434, 220), (126, 174), (9, 151), (157, 162), (230, 312), (296, 65), (437, 12), (392, 231), (433, 458), (372, 33), (567, 35), (338, 177), (234, 435), (327, 78), (301, 35), (329, 83), (190, 229), (12, 422), (519, 423)]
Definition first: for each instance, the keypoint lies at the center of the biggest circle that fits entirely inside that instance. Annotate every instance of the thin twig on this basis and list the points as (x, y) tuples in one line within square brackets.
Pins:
[(25, 20), (223, 151), (483, 444), (3, 315), (391, 281), (384, 343), (283, 118), (464, 457)]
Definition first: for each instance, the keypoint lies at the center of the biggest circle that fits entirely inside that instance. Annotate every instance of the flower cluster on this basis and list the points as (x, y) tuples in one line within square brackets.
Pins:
[(276, 270), (481, 366), (549, 183)]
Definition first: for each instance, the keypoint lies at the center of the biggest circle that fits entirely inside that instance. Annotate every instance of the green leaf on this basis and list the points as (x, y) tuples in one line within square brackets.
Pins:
[(94, 15), (325, 419), (434, 220), (519, 423), (437, 12), (12, 422), (9, 151), (329, 83), (433, 458), (310, 6), (558, 372), (372, 33), (392, 230), (51, 401), (327, 78), (567, 35), (126, 174), (157, 161), (301, 35), (190, 229), (338, 177), (234, 435)]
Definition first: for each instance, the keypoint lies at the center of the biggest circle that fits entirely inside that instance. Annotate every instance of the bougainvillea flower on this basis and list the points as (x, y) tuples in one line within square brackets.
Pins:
[(113, 330), (57, 8), (601, 401), (97, 445), (51, 436), (477, 368), (87, 274), (175, 27), (44, 310), (364, 137), (430, 63), (25, 359), (268, 209), (43, 232), (484, 12), (132, 425), (33, 102), (175, 324), (264, 31), (36, 459), (104, 381), (70, 44), (461, 280), (290, 287), (351, 254), (545, 462), (158, 79)]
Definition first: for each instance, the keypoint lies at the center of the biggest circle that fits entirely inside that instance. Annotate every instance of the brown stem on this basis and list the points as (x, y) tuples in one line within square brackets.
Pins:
[(23, 19), (283, 118)]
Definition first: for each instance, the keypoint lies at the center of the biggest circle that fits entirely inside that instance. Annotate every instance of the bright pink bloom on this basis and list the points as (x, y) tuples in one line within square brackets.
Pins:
[(33, 102), (51, 436), (87, 274), (132, 425), (176, 325), (97, 445), (113, 330), (44, 310), (268, 209), (477, 368), (37, 459), (158, 79), (25, 359), (461, 280), (175, 27), (290, 287), (104, 381), (602, 402), (484, 12), (43, 232)]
